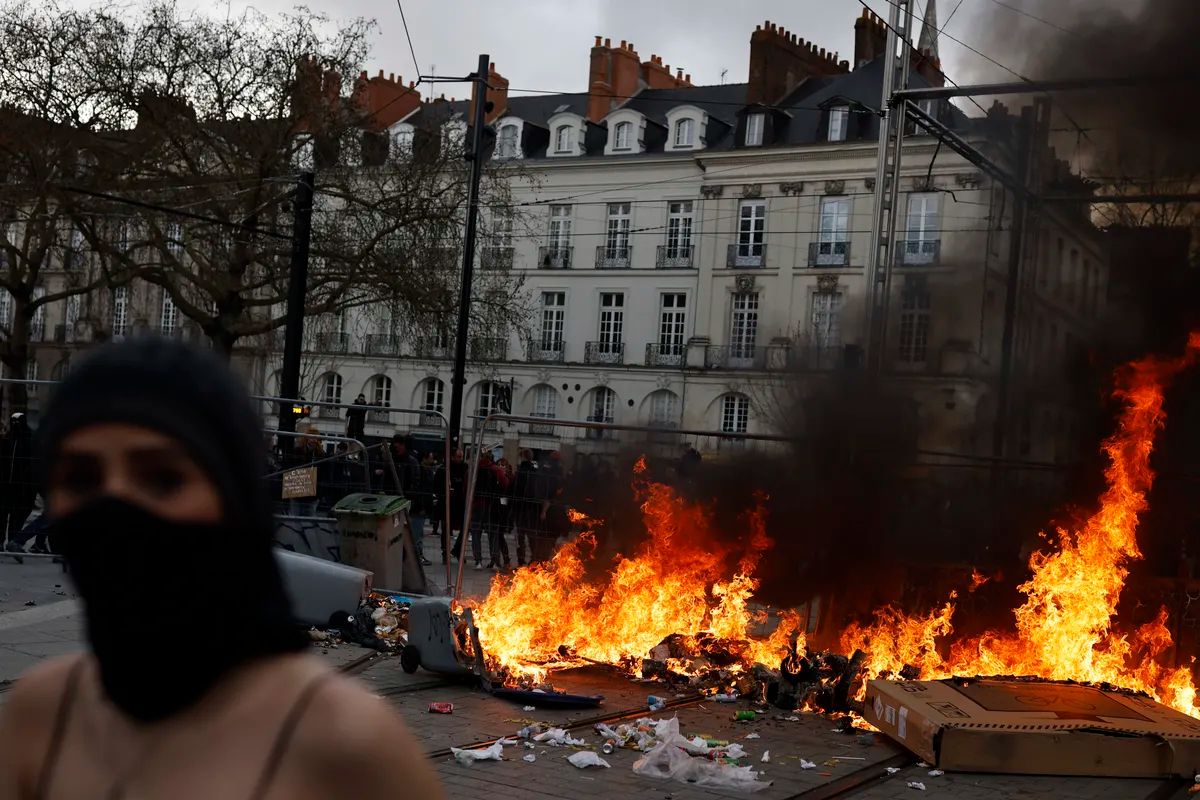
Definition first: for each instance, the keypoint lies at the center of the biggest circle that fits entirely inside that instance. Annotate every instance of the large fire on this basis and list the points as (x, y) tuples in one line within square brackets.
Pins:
[(1064, 630), (682, 580)]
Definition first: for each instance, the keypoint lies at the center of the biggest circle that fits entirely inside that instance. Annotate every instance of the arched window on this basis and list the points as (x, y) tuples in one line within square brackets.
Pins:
[(381, 390), (489, 398), (604, 404), (735, 413), (331, 388), (562, 139), (622, 135), (435, 393), (508, 141), (685, 132), (664, 409), (545, 401)]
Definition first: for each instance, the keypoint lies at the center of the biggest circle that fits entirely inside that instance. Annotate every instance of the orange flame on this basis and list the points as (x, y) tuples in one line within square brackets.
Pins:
[(1064, 628), (678, 582)]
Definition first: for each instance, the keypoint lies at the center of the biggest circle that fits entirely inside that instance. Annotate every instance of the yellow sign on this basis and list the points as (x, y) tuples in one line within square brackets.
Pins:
[(300, 483)]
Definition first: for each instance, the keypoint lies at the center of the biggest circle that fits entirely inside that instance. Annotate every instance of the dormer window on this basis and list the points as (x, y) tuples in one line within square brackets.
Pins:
[(562, 139), (839, 123), (508, 141), (685, 132), (622, 136), (754, 129)]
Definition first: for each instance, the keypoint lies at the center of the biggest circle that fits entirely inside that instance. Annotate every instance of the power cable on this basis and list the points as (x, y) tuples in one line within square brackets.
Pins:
[(165, 210), (1025, 13), (411, 50)]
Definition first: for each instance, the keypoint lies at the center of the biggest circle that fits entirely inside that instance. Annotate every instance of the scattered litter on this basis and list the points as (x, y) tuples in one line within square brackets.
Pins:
[(469, 757), (441, 708), (586, 758), (558, 736), (916, 785), (833, 762), (731, 697), (530, 758), (892, 770), (923, 765), (316, 635), (529, 708), (31, 602), (691, 760), (936, 773), (656, 703), (804, 764), (751, 736), (766, 757), (825, 774), (791, 719), (507, 742), (529, 745)]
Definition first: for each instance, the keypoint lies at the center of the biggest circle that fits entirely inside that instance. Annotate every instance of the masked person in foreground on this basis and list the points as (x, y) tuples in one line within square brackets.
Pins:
[(197, 685)]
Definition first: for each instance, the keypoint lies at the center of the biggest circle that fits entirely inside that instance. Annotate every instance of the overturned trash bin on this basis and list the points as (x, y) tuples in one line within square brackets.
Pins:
[(374, 535)]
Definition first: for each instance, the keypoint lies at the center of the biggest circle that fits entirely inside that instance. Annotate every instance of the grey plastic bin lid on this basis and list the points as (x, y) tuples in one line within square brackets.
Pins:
[(376, 505)]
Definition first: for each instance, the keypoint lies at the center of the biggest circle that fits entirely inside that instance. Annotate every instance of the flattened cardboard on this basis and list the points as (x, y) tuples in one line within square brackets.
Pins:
[(1034, 728)]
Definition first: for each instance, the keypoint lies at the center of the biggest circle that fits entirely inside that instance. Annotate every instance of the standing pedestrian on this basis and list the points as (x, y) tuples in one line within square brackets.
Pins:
[(356, 419), (17, 489), (153, 466), (532, 503), (491, 484), (309, 453), (457, 501)]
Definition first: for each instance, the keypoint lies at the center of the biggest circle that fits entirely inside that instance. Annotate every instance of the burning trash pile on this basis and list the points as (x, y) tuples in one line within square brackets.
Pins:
[(380, 623), (678, 609)]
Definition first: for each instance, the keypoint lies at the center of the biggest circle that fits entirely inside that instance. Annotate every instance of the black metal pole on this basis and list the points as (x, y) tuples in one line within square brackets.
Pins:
[(1016, 262), (289, 384), (459, 380)]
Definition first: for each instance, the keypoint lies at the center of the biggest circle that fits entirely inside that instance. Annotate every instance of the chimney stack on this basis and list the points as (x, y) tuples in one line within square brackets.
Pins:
[(384, 101), (497, 94), (779, 61)]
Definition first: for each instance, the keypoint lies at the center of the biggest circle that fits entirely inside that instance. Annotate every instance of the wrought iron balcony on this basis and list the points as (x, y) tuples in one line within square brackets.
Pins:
[(436, 348), (489, 349), (829, 254), (555, 257), (381, 344), (430, 420), (735, 357), (328, 412), (333, 342), (547, 352), (497, 258), (379, 416), (746, 255), (613, 257), (604, 353), (666, 355), (816, 357), (918, 252), (674, 257), (542, 428)]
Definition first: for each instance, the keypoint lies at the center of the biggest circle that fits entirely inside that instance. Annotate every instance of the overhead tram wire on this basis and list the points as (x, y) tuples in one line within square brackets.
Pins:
[(172, 211), (412, 51)]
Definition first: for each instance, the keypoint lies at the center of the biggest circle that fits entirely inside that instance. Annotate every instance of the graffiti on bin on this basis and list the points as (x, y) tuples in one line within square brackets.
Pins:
[(310, 538)]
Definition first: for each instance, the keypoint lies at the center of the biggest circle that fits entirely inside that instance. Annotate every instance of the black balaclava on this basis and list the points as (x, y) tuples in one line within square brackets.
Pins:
[(172, 607)]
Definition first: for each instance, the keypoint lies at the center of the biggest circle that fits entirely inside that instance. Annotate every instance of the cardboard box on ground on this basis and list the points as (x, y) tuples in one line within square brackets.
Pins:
[(1034, 728)]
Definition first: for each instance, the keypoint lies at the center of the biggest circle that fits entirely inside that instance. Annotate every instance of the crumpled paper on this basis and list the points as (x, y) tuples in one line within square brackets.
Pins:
[(766, 757), (804, 764), (558, 736), (586, 758), (469, 757), (916, 785), (531, 758)]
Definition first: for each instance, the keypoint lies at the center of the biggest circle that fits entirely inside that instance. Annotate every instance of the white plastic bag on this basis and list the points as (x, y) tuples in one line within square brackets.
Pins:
[(558, 736), (916, 785), (766, 757), (531, 758), (469, 757), (807, 764), (586, 758), (670, 759)]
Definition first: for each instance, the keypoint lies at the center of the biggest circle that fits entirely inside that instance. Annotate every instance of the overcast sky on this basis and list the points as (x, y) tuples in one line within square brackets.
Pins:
[(539, 44)]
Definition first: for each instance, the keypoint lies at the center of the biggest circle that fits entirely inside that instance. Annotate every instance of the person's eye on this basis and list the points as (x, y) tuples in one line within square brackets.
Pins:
[(80, 479), (164, 481)]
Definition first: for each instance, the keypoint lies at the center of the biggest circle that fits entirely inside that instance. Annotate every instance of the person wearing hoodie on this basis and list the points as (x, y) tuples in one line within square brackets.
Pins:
[(151, 463)]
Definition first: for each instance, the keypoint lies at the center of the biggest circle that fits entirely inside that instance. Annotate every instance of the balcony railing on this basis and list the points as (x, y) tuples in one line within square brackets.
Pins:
[(381, 415), (541, 428), (666, 355), (816, 357), (437, 348), (430, 420), (555, 257), (746, 255), (333, 342), (735, 357), (551, 352), (604, 353), (497, 258), (381, 344), (489, 349), (328, 412), (918, 252), (613, 257), (828, 254), (674, 257), (599, 433)]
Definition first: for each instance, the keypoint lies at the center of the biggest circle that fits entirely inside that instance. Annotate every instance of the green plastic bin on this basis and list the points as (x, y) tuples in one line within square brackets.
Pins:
[(371, 530)]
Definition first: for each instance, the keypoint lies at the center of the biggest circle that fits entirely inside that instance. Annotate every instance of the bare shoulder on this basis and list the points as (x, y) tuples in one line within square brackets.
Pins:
[(27, 720), (355, 739)]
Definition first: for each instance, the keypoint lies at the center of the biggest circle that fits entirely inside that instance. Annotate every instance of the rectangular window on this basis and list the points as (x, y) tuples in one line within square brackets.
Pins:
[(684, 132), (839, 119), (827, 320), (754, 129), (554, 315), (679, 230), (752, 229), (120, 311), (743, 325), (612, 322), (6, 308), (435, 391), (914, 327), (922, 235), (545, 401), (508, 142), (76, 254), (616, 233), (604, 401), (175, 239), (560, 227), (663, 407), (562, 139), (333, 388), (672, 324), (381, 390), (735, 413), (833, 235), (624, 130), (169, 316)]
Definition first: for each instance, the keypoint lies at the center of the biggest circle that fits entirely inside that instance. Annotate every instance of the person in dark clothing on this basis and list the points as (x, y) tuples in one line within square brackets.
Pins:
[(457, 501), (557, 524), (423, 505), (151, 464), (17, 489), (309, 452), (356, 419), (491, 485), (532, 503)]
